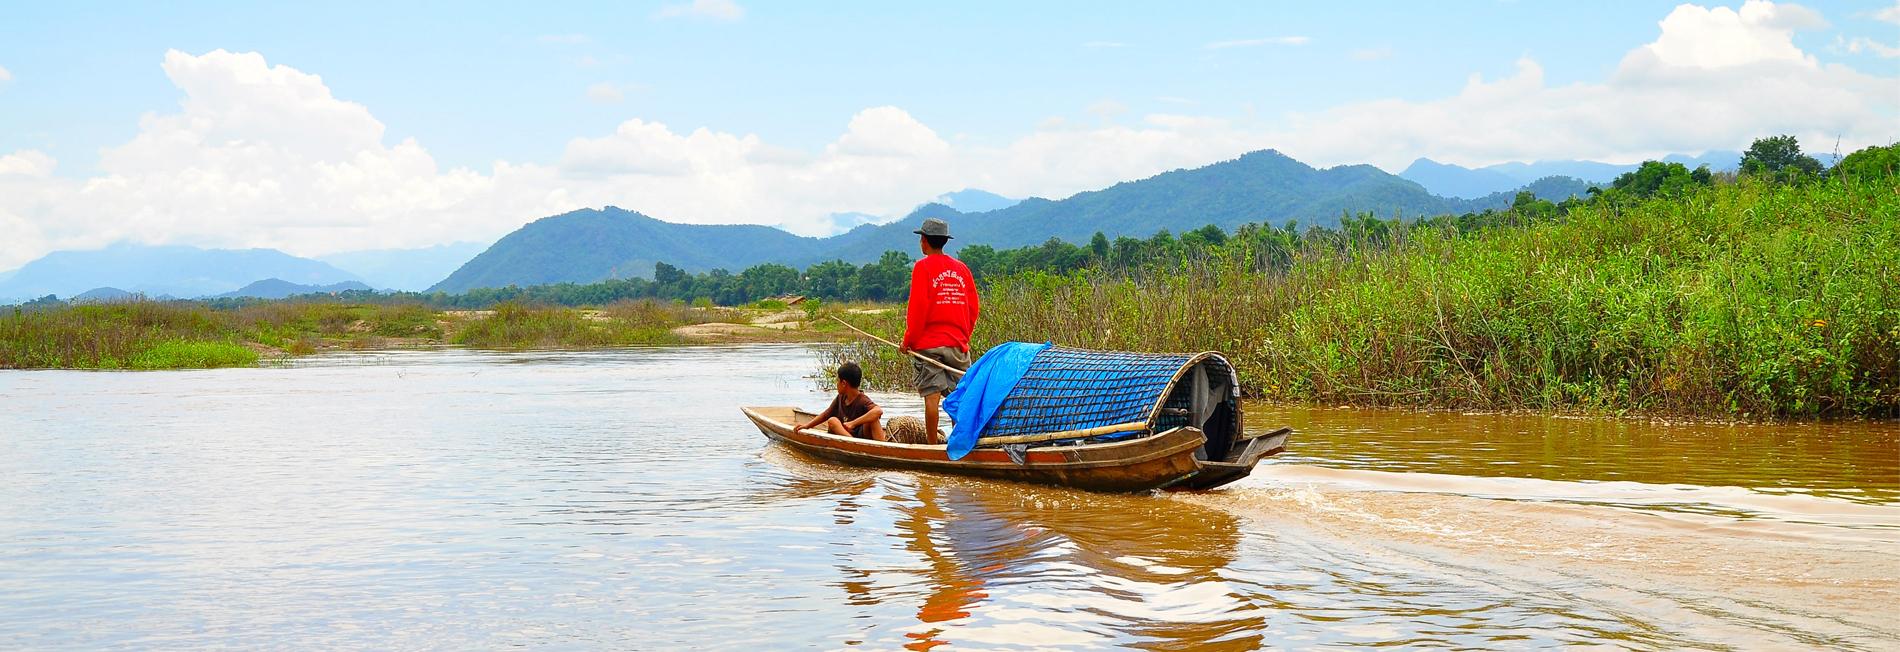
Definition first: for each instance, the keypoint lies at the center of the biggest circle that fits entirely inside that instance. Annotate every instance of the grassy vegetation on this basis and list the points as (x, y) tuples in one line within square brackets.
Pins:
[(518, 326), (184, 335), (1748, 300), (179, 354), (120, 336)]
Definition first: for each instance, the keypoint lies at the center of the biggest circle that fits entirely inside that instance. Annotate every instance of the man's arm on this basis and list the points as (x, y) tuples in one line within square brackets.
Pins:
[(915, 309)]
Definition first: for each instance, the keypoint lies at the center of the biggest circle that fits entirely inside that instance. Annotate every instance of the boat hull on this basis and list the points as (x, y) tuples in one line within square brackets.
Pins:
[(1142, 464), (1238, 464)]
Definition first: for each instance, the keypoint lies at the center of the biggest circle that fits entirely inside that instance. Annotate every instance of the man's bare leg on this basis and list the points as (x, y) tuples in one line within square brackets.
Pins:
[(876, 430), (931, 403)]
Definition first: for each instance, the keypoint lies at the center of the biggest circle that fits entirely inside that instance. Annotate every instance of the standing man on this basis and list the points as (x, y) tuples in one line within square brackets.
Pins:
[(938, 322)]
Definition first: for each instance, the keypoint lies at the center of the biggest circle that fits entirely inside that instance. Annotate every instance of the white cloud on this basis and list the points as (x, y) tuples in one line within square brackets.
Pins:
[(1861, 44), (1712, 79), (649, 148), (1257, 42), (26, 163), (5, 75), (256, 155), (1882, 50), (1699, 37), (888, 131), (1889, 15), (605, 93), (714, 9)]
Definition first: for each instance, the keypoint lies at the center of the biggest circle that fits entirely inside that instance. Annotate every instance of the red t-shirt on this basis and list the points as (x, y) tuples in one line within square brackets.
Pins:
[(942, 304)]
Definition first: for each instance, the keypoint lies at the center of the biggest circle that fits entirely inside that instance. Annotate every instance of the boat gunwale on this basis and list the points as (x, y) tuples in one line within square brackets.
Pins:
[(1158, 446)]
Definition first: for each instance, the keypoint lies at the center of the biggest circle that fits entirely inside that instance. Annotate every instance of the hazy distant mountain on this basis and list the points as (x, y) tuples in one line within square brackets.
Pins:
[(1607, 172), (405, 269), (276, 288), (971, 200), (1459, 181), (158, 270), (105, 295), (1585, 170), (1718, 161), (1261, 187)]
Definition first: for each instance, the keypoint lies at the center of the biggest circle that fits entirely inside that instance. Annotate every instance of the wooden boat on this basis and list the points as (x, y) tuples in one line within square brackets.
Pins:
[(1172, 421)]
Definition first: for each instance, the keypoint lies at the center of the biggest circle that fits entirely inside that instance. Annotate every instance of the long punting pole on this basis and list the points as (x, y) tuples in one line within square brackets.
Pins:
[(914, 354)]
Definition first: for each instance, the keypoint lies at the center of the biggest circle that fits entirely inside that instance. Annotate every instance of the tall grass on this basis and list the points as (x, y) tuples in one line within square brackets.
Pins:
[(1746, 300), (519, 326), (142, 335), (170, 335)]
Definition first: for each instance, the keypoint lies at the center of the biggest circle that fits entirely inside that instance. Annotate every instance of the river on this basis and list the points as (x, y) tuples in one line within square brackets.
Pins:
[(453, 499)]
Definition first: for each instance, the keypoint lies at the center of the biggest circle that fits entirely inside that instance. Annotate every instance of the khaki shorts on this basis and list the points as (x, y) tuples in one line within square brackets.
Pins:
[(932, 379)]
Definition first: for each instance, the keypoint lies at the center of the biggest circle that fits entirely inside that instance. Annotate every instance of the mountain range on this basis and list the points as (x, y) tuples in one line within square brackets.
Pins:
[(1260, 187), (1452, 180), (594, 244), (162, 270)]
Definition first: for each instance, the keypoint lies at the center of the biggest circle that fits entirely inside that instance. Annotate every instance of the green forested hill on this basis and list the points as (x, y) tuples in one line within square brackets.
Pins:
[(590, 245), (1260, 187)]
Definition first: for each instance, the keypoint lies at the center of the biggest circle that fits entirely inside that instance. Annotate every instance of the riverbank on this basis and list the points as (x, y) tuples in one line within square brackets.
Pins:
[(149, 335)]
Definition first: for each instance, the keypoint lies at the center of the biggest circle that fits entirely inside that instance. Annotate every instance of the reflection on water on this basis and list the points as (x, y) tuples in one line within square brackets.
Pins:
[(450, 499)]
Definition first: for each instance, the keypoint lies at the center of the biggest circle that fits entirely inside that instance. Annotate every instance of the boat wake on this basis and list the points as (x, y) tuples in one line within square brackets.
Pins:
[(1709, 566)]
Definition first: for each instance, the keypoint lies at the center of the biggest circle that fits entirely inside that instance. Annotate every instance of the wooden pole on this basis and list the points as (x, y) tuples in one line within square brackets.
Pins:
[(927, 359)]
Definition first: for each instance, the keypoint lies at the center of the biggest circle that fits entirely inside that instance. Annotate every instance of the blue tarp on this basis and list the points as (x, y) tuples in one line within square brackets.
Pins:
[(982, 390)]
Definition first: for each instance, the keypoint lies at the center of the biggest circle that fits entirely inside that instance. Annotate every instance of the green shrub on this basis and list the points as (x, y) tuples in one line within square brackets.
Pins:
[(178, 354)]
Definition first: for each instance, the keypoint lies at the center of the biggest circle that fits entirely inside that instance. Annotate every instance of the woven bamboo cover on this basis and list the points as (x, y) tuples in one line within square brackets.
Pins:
[(1074, 389)]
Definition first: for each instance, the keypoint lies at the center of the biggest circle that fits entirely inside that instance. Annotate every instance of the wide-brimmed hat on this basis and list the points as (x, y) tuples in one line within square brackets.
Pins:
[(934, 226)]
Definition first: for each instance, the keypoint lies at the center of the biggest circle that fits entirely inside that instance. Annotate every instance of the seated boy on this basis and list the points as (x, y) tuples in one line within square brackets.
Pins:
[(852, 414)]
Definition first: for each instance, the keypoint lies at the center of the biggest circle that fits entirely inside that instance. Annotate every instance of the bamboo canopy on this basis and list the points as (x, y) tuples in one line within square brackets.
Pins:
[(1081, 394)]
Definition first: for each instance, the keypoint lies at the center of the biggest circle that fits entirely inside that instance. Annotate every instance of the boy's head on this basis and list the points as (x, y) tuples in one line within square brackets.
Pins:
[(850, 375)]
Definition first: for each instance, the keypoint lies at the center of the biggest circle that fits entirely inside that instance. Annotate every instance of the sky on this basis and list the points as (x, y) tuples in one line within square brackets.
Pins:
[(346, 126)]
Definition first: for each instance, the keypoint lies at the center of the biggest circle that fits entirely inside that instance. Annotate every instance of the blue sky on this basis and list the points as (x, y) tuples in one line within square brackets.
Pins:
[(504, 94)]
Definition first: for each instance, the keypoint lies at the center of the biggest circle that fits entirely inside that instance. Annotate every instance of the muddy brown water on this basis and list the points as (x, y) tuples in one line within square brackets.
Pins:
[(454, 499)]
